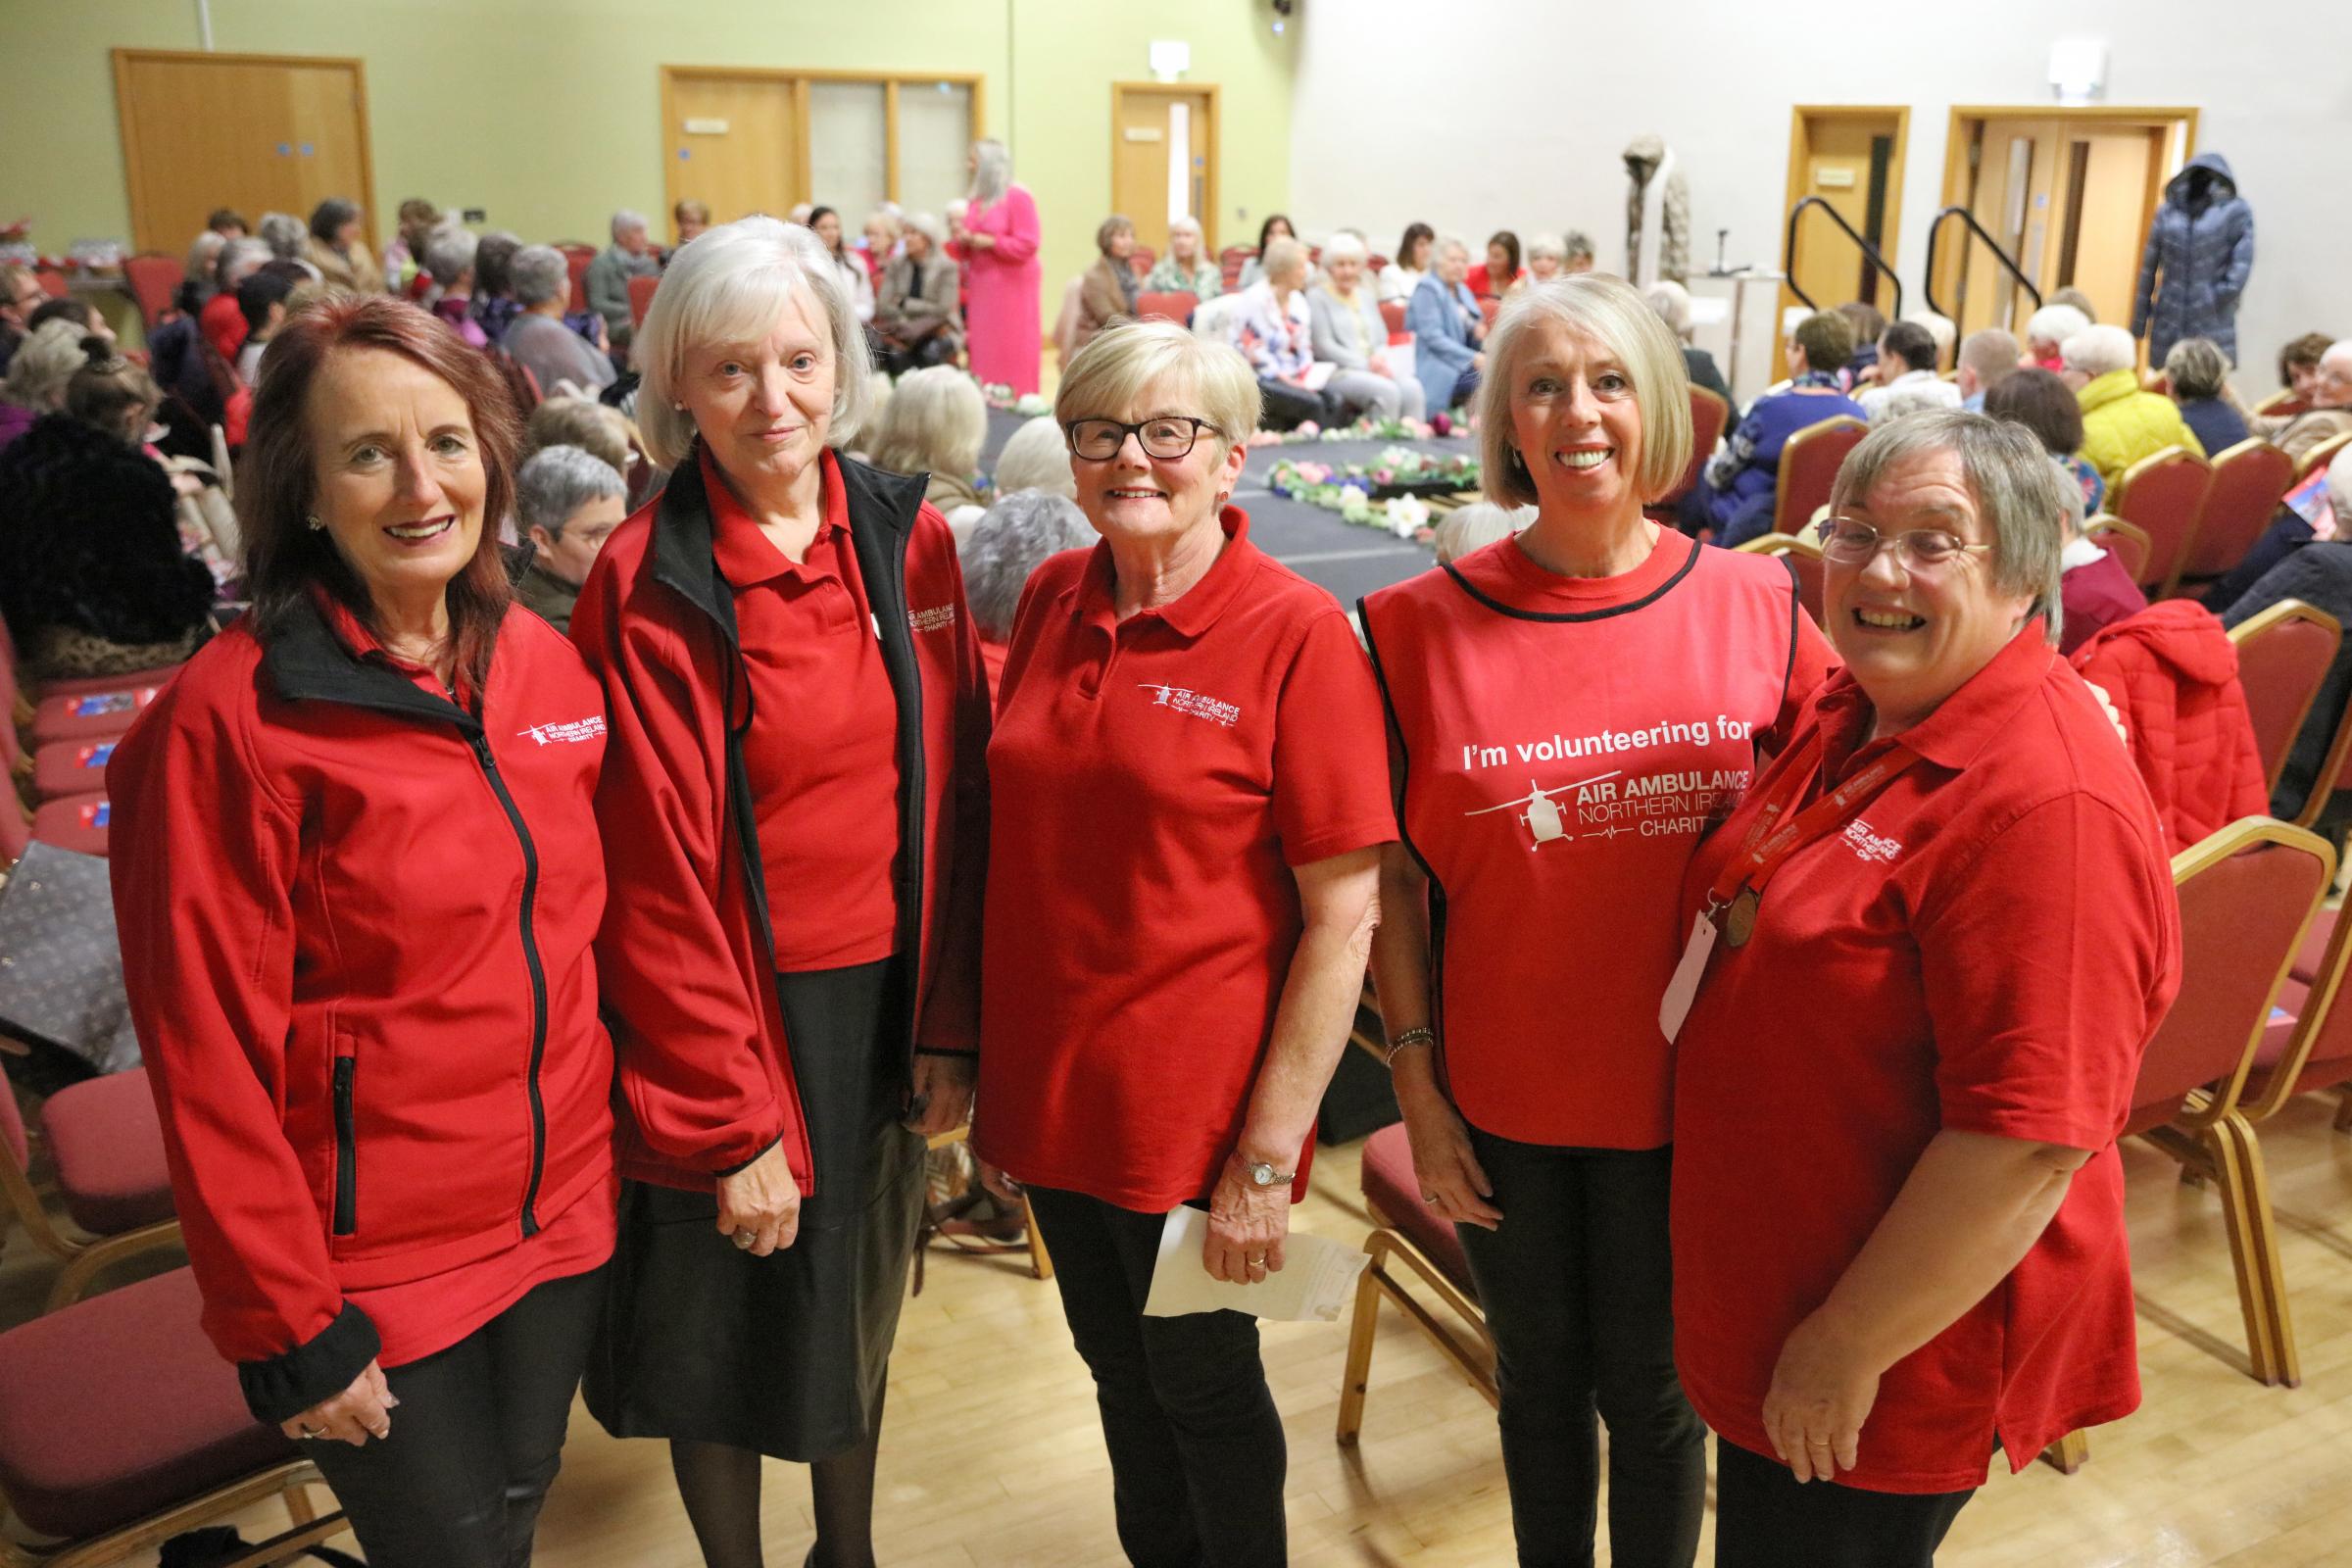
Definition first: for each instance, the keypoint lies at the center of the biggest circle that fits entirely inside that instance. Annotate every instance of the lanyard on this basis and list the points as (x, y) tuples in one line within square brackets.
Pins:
[(1733, 902)]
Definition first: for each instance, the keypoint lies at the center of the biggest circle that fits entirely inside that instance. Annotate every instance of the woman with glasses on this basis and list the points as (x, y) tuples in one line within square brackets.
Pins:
[(1935, 940), (1183, 853), (1570, 707)]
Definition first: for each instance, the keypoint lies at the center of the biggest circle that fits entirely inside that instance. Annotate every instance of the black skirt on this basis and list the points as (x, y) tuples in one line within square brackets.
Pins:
[(785, 1354)]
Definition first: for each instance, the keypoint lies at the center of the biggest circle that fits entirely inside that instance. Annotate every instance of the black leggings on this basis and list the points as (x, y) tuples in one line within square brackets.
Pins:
[(476, 1439), (1764, 1519), (1578, 1290)]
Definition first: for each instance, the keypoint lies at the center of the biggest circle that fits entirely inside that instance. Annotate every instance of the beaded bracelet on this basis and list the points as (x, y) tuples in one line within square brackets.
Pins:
[(1417, 1036)]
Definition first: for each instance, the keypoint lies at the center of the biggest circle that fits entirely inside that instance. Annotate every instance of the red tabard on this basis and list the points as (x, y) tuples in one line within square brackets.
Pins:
[(1566, 741)]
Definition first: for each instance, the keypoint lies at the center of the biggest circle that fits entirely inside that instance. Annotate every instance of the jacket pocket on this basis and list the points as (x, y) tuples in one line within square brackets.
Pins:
[(346, 1147)]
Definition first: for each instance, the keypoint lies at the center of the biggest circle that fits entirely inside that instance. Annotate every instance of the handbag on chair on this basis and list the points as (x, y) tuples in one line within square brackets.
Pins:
[(60, 965)]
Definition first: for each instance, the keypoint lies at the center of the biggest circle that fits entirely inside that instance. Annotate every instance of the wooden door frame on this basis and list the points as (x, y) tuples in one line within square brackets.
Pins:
[(123, 59), (1119, 91), (1800, 158), (799, 79)]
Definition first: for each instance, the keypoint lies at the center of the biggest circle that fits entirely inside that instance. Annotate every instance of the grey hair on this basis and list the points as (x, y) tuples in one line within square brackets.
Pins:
[(930, 227), (1037, 458), (1282, 255), (2012, 480), (1989, 352), (204, 254), (538, 273), (1547, 245), (2197, 368), (729, 286), (1009, 542), (37, 372), (1672, 302), (1345, 247), (1475, 526), (2098, 350), (1579, 244), (992, 170), (1448, 242), (2055, 323), (626, 222), (450, 253), (239, 260), (935, 422), (1128, 362), (555, 482), (283, 233), (1609, 310)]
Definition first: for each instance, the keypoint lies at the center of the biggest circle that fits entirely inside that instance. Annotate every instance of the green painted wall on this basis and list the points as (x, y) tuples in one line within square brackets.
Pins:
[(546, 113)]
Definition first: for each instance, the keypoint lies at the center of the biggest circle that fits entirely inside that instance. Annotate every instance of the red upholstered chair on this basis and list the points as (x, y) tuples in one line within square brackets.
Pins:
[(1392, 311), (2320, 455), (2247, 895), (1139, 261), (577, 259), (2124, 541), (15, 828), (1170, 304), (76, 822), (2283, 654), (2311, 1049), (1803, 554), (1231, 259), (108, 1147), (154, 282), (100, 714), (1709, 413), (53, 283), (71, 767), (641, 298), (121, 1427), (1809, 465), (2248, 481), (2164, 494), (2283, 401)]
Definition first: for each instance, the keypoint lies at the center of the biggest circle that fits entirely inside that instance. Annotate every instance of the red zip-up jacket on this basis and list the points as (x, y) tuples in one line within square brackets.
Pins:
[(685, 958), (357, 932)]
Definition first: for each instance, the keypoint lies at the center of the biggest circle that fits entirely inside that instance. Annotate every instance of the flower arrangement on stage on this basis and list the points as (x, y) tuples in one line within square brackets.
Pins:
[(1028, 405), (1388, 493)]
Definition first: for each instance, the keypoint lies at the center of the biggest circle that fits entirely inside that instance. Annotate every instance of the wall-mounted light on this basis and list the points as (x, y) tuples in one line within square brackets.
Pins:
[(2078, 71)]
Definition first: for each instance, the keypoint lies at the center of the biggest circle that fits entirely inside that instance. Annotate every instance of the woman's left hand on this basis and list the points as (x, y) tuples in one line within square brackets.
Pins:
[(1821, 1394), (1246, 1225), (943, 1093)]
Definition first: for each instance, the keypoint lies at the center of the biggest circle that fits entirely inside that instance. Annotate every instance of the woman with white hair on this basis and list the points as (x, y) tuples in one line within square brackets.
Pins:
[(2047, 332), (1017, 535), (1035, 458), (1548, 809), (1672, 302), (1546, 258), (540, 341), (790, 962), (1167, 1001), (1349, 331), (2122, 423), (934, 427), (999, 253), (1472, 527), (449, 261), (37, 374), (1449, 328), (1187, 268), (919, 314)]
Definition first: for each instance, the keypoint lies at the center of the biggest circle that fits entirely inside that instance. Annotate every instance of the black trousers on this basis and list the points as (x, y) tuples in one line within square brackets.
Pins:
[(1764, 1519), (1288, 407), (1196, 1452), (476, 1439), (1578, 1290)]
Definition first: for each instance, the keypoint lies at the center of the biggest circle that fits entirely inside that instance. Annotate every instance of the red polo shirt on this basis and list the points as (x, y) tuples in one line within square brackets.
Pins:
[(1154, 782), (822, 748), (1987, 946)]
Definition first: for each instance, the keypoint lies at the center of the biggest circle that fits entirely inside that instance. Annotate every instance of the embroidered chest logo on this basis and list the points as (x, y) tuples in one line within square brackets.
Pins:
[(573, 730), (936, 618), (1185, 701), (1869, 845)]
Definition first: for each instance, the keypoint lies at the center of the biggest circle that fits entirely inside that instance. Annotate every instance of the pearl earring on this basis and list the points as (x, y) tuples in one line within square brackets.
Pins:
[(316, 524)]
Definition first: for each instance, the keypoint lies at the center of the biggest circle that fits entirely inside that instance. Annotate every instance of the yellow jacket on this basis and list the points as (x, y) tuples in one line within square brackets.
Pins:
[(2122, 424)]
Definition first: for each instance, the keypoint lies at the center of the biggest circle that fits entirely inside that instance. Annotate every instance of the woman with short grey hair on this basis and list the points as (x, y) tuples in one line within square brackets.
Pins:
[(1035, 458), (540, 340), (568, 502), (2197, 374), (288, 240), (449, 261), (1348, 330), (1011, 541), (1448, 327), (799, 714)]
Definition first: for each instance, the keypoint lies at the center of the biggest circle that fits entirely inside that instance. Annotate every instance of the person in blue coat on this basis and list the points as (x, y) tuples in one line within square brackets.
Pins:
[(1737, 492), (2202, 246), (1447, 327)]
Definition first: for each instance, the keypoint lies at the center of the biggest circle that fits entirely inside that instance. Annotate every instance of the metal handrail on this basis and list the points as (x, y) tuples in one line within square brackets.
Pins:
[(1869, 253), (1936, 230)]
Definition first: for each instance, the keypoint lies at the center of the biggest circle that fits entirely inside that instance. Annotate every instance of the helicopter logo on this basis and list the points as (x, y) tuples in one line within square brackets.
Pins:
[(1540, 813)]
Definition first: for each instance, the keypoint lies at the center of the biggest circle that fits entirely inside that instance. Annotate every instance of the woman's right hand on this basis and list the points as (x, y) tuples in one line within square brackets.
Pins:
[(761, 1199), (1000, 1184), (1452, 1180), (359, 1412)]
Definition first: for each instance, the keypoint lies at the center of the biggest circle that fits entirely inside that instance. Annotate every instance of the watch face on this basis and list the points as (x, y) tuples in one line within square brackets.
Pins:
[(1263, 1175)]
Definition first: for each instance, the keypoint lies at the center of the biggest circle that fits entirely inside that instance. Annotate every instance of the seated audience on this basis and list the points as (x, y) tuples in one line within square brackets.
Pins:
[(1580, 251), (2093, 587), (220, 320), (1906, 382), (1448, 330), (227, 222), (1546, 258), (1671, 303), (2048, 331), (689, 218), (2329, 412), (1476, 527), (1349, 331), (1501, 272), (93, 578), (338, 250), (604, 433), (288, 240), (880, 240), (196, 273), (262, 300), (856, 281), (1106, 293), (1870, 324), (539, 340), (566, 502), (935, 423), (1274, 328), (606, 281), (1985, 358), (404, 268), (1037, 458), (20, 294), (2299, 364), (448, 259), (494, 304), (1737, 491), (1276, 226), (2171, 673), (1408, 265), (2079, 300), (2122, 424), (1011, 541), (37, 375), (2197, 372), (1942, 330), (1187, 268), (919, 314), (2319, 573), (77, 310)]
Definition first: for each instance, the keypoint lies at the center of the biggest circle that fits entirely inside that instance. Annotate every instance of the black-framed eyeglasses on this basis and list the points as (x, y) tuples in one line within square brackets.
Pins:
[(1168, 437), (1851, 542)]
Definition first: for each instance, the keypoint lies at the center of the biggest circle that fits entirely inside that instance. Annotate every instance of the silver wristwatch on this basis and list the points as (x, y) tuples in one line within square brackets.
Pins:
[(1262, 1174)]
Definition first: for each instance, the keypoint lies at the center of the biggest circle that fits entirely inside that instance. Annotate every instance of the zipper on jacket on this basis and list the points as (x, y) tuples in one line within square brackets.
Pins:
[(480, 742), (912, 815), (347, 1150)]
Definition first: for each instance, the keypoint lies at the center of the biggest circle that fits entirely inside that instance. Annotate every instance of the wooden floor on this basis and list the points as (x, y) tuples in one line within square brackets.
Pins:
[(993, 1458)]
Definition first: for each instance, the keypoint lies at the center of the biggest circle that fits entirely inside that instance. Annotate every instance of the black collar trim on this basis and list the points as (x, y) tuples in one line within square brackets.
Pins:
[(1627, 608), (306, 663)]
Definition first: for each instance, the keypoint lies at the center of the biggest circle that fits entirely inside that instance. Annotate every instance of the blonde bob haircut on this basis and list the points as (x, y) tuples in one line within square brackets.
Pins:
[(1612, 312), (728, 288), (1144, 367), (935, 422)]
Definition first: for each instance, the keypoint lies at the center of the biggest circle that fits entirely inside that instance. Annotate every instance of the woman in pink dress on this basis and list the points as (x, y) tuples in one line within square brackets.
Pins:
[(999, 250)]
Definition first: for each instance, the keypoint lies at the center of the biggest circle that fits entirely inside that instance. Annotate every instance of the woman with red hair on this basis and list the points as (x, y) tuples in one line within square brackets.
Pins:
[(357, 874)]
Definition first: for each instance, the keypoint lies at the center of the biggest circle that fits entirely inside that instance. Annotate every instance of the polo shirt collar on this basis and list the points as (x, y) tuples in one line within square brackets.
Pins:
[(1198, 607), (742, 552), (1951, 736)]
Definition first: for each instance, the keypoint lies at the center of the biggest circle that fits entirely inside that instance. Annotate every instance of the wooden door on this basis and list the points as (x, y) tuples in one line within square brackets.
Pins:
[(732, 142), (2109, 180), (1852, 159), (2017, 160), (256, 133), (1163, 159)]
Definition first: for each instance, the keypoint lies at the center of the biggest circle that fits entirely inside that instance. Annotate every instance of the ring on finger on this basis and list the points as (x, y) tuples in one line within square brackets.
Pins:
[(310, 1432), (746, 1239)]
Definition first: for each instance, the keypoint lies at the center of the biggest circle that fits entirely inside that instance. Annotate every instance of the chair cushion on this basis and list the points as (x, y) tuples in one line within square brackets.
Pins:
[(108, 1147), (89, 685), (71, 767), (119, 1406), (76, 822), (2306, 966), (1393, 1191)]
